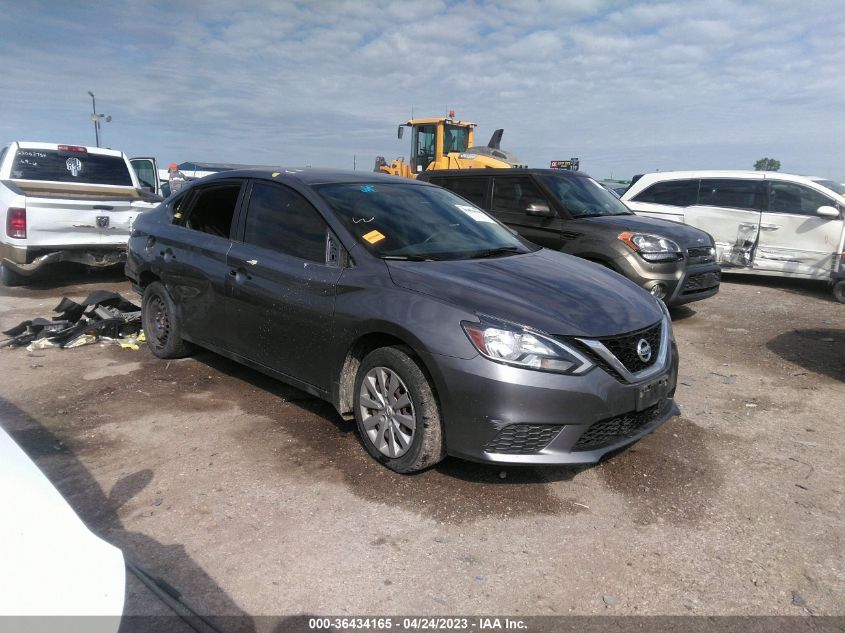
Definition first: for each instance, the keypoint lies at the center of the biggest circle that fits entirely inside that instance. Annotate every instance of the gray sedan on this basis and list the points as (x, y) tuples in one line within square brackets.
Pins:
[(409, 309)]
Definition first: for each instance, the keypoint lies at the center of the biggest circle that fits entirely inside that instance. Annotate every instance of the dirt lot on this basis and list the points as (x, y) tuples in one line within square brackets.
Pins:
[(254, 498)]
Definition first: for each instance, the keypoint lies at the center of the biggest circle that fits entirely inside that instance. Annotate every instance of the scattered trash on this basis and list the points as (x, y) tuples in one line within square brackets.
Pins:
[(798, 599), (609, 600), (103, 316)]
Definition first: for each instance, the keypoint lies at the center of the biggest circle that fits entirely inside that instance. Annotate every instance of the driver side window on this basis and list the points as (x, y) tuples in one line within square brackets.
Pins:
[(513, 195)]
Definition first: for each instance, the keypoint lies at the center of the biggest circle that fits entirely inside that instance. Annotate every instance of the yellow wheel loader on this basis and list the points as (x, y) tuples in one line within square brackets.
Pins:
[(446, 144)]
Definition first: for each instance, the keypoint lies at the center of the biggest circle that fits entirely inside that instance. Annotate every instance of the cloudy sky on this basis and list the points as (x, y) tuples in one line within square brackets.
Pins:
[(626, 86)]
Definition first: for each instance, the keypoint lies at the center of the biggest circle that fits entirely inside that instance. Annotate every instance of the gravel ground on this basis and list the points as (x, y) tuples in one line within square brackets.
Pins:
[(254, 498)]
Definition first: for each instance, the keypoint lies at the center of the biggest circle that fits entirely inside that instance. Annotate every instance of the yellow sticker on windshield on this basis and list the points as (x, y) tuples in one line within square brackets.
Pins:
[(373, 236), (274, 174)]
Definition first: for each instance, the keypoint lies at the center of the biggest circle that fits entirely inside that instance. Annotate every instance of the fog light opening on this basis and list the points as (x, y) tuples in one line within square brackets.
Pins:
[(658, 291)]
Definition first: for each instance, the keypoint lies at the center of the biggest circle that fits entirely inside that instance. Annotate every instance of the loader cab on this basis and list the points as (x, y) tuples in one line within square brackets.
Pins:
[(432, 139)]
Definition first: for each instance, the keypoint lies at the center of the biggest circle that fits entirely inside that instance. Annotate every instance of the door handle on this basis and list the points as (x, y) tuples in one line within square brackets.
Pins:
[(747, 226), (239, 275), (770, 227), (168, 255)]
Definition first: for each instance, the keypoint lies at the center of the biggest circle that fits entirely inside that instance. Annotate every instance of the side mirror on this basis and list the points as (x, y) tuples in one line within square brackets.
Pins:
[(539, 209), (401, 131), (827, 211)]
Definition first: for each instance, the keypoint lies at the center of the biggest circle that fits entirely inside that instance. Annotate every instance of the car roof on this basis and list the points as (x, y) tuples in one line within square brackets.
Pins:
[(485, 171), (314, 176)]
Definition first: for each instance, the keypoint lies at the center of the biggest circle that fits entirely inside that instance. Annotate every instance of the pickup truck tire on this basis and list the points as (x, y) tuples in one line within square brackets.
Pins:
[(161, 325), (839, 291), (396, 412), (9, 277)]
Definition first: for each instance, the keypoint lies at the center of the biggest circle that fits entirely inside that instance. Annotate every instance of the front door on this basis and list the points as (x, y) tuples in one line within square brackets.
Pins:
[(281, 286), (423, 148), (729, 209), (794, 239), (147, 172), (511, 198)]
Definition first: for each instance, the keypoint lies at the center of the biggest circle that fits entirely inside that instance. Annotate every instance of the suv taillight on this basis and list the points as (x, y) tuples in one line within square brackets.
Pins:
[(16, 223)]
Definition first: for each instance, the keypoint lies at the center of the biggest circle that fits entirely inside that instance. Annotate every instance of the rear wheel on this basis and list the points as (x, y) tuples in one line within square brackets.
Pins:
[(9, 277), (839, 291), (396, 412), (161, 325)]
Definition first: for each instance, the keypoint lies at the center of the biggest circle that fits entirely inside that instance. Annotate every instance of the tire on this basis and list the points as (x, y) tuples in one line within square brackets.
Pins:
[(161, 325), (9, 277), (839, 291), (385, 435)]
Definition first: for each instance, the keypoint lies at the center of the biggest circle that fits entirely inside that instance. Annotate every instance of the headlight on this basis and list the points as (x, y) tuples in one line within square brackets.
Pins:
[(509, 344), (652, 248)]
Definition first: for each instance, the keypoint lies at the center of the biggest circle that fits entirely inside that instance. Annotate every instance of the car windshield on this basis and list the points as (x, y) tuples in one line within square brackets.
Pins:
[(584, 197), (410, 221), (833, 186)]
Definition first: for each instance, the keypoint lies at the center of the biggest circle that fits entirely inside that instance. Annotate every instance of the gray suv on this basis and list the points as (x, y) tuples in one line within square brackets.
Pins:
[(432, 324), (570, 212)]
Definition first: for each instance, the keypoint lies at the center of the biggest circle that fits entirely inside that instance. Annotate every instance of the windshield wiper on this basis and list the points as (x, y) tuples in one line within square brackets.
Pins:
[(409, 258), (495, 252)]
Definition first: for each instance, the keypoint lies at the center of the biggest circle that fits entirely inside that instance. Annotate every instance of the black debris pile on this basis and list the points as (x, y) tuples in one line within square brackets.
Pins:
[(103, 315)]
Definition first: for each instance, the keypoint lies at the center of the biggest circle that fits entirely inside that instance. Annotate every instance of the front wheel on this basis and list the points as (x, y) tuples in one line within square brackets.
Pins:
[(839, 291), (396, 412), (161, 325)]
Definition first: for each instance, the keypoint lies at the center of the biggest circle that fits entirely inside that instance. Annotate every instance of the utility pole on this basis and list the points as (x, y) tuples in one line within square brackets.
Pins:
[(95, 118)]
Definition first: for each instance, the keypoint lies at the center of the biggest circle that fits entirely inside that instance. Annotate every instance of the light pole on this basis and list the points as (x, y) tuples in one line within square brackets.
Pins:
[(96, 118)]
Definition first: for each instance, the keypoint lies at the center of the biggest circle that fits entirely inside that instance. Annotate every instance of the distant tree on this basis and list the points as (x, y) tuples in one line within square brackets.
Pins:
[(767, 164)]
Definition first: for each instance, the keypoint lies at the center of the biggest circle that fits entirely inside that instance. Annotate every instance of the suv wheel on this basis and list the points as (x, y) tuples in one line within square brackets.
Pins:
[(161, 326), (396, 411)]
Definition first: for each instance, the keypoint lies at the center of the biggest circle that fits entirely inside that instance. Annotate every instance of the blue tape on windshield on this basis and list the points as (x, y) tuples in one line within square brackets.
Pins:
[(368, 189)]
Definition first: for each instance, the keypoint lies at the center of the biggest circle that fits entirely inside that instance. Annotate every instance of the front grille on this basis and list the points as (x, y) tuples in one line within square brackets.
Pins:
[(606, 432), (701, 255), (523, 439), (701, 282), (625, 347)]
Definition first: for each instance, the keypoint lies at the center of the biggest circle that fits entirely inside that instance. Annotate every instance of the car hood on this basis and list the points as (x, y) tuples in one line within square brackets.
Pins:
[(544, 290), (685, 236)]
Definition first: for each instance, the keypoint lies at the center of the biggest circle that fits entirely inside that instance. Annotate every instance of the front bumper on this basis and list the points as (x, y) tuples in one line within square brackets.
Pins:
[(27, 261), (490, 410), (684, 282)]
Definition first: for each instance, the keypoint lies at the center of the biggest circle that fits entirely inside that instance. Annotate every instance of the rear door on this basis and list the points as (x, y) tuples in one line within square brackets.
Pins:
[(511, 197), (729, 209), (147, 172), (665, 199), (793, 237), (281, 285), (191, 258)]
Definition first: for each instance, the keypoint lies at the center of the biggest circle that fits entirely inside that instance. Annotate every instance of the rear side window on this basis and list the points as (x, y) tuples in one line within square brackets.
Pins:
[(64, 166), (514, 195), (280, 219), (212, 209), (789, 197), (678, 193), (473, 189), (731, 193)]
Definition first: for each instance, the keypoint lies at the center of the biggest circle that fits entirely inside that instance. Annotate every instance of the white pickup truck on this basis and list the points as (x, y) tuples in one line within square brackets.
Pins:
[(67, 203)]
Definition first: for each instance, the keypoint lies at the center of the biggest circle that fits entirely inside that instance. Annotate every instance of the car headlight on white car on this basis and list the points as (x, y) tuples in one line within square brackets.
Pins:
[(652, 248), (512, 345)]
